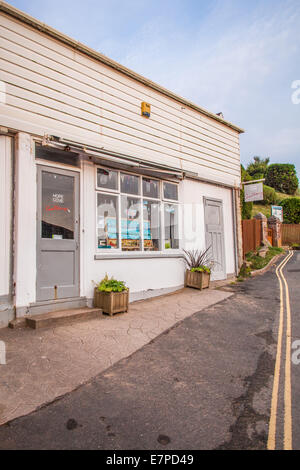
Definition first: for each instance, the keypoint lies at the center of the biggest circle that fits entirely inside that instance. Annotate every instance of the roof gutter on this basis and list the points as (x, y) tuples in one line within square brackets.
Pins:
[(42, 27)]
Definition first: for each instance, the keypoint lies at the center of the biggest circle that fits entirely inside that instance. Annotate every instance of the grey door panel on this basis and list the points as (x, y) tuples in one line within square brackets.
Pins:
[(214, 233), (57, 234)]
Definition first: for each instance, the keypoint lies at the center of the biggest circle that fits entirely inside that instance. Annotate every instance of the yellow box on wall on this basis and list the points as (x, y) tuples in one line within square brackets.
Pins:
[(146, 109)]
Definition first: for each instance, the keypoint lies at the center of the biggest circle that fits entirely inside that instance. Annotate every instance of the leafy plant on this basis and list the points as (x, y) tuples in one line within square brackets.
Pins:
[(258, 168), (291, 210), (246, 207), (245, 175), (257, 262), (201, 269), (245, 271), (199, 260), (283, 178), (111, 285), (270, 196)]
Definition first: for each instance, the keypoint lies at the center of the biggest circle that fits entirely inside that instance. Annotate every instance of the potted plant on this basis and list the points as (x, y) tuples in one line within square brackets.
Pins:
[(199, 264), (111, 295)]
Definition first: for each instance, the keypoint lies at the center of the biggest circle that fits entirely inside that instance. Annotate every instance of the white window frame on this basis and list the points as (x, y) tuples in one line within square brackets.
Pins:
[(113, 192), (162, 189), (117, 191)]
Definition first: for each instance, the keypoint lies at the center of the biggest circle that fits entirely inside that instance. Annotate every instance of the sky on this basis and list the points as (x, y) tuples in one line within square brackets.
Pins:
[(238, 57)]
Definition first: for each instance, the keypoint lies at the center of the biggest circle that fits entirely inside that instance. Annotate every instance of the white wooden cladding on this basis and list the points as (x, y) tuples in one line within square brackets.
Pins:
[(5, 213), (51, 88)]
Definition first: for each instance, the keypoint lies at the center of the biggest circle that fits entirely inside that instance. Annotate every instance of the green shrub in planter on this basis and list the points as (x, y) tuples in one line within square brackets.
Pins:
[(198, 271), (111, 285), (111, 295), (201, 269)]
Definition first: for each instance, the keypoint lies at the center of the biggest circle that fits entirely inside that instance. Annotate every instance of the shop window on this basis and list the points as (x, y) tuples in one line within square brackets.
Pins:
[(130, 184), (131, 215), (107, 221), (107, 179), (170, 191), (130, 223), (171, 226), (150, 188), (151, 233)]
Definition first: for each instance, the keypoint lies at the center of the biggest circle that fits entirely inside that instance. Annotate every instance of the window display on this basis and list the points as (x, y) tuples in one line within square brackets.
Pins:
[(133, 218)]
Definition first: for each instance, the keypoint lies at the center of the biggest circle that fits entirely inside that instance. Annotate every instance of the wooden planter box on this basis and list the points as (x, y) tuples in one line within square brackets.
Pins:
[(197, 280), (111, 302)]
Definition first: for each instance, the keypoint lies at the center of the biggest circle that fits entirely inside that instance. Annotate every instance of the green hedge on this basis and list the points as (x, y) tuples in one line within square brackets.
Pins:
[(291, 210), (283, 178), (270, 196), (246, 207)]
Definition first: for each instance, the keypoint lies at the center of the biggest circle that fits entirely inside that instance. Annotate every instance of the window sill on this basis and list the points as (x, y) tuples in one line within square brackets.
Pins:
[(125, 255)]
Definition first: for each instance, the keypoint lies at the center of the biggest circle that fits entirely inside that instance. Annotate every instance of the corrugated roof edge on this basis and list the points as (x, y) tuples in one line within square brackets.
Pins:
[(25, 18)]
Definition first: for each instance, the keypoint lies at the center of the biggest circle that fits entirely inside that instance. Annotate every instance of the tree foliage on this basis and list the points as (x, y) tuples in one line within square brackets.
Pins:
[(291, 210), (258, 168), (283, 178), (270, 196), (244, 174), (246, 207)]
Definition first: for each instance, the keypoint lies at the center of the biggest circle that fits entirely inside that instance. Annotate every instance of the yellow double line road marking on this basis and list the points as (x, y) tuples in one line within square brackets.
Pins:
[(287, 381)]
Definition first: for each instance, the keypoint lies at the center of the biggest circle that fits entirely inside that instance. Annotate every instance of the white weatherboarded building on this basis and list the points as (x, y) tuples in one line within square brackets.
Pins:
[(91, 186)]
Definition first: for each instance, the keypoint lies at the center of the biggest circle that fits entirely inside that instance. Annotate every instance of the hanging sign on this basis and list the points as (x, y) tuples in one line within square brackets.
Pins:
[(277, 211), (254, 192)]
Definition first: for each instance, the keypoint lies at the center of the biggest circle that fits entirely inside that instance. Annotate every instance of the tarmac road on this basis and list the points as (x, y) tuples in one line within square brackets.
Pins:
[(207, 383)]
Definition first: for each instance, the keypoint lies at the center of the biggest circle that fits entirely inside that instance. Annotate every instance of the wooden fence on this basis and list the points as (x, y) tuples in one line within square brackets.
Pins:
[(252, 235), (290, 233)]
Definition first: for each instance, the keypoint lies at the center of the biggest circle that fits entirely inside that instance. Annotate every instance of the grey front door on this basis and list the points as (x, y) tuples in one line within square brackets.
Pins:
[(57, 234), (214, 232)]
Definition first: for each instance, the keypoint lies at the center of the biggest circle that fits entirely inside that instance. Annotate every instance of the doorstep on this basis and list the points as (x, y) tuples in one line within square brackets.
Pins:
[(46, 306), (62, 317)]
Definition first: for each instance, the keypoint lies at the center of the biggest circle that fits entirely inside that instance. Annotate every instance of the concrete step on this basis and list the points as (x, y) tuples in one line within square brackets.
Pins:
[(46, 306), (62, 317)]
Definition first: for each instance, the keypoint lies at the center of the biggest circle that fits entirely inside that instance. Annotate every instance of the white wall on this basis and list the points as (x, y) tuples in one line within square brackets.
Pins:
[(25, 222), (5, 213), (193, 194), (51, 88)]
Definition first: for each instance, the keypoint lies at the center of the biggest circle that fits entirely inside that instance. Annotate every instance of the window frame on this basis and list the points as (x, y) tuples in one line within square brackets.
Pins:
[(160, 200), (118, 205), (99, 188), (163, 193)]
